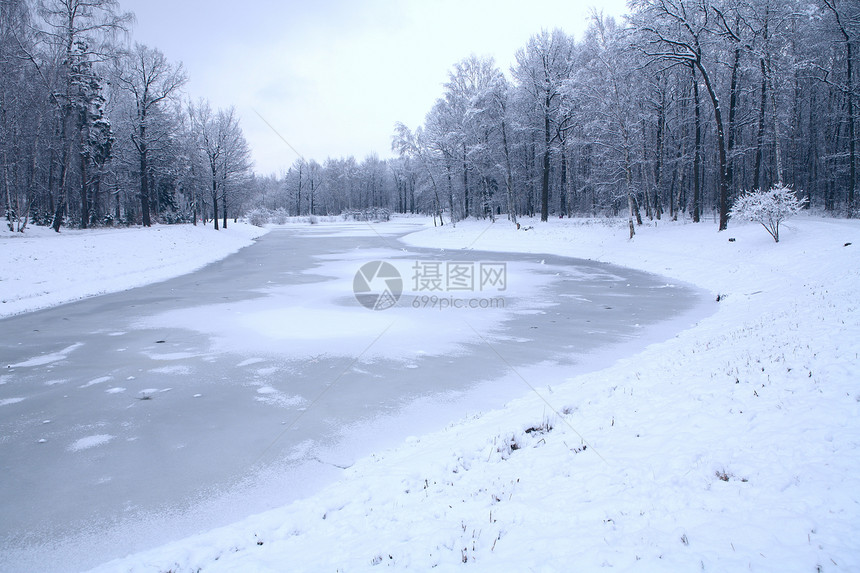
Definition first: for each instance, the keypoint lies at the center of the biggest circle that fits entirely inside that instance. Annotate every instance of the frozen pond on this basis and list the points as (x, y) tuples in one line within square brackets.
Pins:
[(132, 419)]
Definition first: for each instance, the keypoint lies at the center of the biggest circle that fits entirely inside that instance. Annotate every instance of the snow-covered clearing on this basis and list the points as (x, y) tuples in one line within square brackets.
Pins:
[(733, 446), (41, 268)]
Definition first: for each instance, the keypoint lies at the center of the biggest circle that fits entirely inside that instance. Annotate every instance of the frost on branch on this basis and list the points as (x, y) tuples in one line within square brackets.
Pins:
[(770, 208)]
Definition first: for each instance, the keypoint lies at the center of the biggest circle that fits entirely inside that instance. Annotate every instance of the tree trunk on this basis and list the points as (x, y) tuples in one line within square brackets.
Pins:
[(466, 206), (562, 195), (118, 208), (658, 161), (451, 215), (509, 176), (632, 204), (530, 155), (852, 147), (643, 170), (733, 104), (299, 195), (721, 145), (144, 175), (759, 149), (62, 190), (215, 196), (193, 197), (697, 153), (85, 204), (544, 189), (777, 146), (311, 175)]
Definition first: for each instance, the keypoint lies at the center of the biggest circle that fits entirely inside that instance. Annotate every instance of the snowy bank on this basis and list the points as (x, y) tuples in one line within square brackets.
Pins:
[(734, 445), (41, 268)]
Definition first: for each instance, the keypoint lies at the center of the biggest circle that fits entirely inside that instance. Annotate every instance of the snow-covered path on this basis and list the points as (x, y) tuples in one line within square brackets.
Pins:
[(140, 417)]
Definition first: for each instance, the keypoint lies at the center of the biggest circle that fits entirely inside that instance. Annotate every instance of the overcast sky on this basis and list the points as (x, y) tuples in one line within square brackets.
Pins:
[(333, 76)]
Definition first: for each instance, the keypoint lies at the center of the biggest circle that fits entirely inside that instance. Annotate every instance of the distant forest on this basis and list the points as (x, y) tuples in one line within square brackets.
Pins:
[(672, 112)]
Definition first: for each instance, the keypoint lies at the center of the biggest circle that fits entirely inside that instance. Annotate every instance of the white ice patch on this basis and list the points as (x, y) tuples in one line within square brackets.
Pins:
[(7, 401), (178, 370), (95, 381), (250, 361), (274, 397), (47, 358), (150, 391), (576, 297), (171, 355), (90, 442), (115, 390)]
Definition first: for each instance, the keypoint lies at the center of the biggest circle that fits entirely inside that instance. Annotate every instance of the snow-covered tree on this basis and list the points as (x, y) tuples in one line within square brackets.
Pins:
[(770, 208), (75, 35), (542, 68), (414, 145), (150, 79)]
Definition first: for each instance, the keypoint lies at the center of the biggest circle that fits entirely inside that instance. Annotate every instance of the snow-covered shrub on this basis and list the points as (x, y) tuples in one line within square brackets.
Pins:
[(770, 208), (258, 217)]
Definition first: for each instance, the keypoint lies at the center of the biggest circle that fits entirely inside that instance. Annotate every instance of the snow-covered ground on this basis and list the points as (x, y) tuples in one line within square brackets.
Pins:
[(733, 446), (41, 268)]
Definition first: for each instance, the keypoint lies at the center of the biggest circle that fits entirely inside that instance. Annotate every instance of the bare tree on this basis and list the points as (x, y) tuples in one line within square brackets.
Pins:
[(541, 69), (493, 116), (235, 157), (414, 145), (150, 79), (678, 31), (608, 88), (221, 141)]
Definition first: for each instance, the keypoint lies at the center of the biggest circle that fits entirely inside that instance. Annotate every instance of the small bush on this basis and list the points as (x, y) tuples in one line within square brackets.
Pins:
[(258, 217), (770, 208)]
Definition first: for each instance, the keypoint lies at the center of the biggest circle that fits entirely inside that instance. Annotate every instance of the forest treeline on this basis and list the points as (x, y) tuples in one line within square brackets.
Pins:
[(674, 111), (95, 130)]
